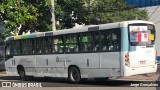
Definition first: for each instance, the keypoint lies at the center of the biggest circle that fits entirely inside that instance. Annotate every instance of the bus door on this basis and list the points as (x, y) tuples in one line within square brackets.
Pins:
[(142, 40)]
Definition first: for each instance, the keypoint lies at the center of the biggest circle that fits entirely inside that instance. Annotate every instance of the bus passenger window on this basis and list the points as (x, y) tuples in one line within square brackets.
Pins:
[(39, 44), (58, 44), (8, 50), (90, 42), (85, 43), (106, 40), (110, 40), (50, 44), (116, 40), (95, 41), (55, 46), (71, 43)]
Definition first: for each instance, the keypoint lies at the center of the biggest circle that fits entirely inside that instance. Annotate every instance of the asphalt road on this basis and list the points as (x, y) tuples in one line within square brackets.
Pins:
[(58, 82), (64, 84), (61, 82)]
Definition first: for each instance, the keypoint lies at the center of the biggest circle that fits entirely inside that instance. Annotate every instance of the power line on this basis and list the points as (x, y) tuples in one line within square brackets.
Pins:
[(157, 22), (154, 12), (155, 17)]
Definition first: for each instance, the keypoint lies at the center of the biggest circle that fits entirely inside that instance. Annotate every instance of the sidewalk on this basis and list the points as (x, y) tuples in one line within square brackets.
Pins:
[(142, 77), (3, 73)]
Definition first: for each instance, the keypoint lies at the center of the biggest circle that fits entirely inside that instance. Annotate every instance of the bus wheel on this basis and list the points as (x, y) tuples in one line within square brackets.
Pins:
[(22, 74), (74, 75)]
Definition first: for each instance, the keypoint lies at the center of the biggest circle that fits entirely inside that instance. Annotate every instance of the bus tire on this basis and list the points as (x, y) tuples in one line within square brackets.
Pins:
[(74, 75), (22, 74)]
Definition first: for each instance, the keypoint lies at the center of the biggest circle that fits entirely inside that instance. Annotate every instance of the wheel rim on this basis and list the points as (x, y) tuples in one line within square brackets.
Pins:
[(75, 76), (22, 74)]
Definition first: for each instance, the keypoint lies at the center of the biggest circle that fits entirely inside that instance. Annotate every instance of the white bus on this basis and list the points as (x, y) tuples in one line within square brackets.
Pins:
[(97, 51)]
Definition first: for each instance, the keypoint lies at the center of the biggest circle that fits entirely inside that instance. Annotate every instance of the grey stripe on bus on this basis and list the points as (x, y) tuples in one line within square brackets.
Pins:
[(93, 28)]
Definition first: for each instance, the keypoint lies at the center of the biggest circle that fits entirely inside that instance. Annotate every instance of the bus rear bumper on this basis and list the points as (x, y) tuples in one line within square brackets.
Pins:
[(128, 71)]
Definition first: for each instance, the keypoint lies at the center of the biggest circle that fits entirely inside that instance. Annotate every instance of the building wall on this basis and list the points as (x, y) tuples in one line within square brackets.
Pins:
[(143, 3), (154, 16)]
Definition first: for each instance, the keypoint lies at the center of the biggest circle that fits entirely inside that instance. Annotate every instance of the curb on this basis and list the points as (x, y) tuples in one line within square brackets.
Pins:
[(129, 79), (141, 77), (3, 74)]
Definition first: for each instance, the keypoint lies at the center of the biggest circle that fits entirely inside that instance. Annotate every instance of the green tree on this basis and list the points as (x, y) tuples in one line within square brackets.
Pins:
[(22, 15), (69, 12), (35, 15), (107, 11)]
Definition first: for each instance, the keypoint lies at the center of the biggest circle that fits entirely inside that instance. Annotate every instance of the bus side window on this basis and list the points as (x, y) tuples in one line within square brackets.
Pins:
[(8, 50), (50, 44), (85, 42), (27, 45), (110, 40), (19, 48), (16, 48), (71, 43), (105, 37), (45, 45), (58, 44), (38, 45), (116, 40), (90, 42), (95, 41), (55, 45)]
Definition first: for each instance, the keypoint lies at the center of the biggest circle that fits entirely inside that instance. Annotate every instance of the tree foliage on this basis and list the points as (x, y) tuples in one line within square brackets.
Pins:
[(35, 15), (69, 12), (22, 15)]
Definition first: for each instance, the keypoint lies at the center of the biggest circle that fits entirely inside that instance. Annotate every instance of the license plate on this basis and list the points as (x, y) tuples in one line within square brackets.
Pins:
[(142, 62), (148, 51)]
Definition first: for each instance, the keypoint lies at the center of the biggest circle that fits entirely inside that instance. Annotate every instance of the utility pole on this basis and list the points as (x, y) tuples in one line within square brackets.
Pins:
[(53, 16)]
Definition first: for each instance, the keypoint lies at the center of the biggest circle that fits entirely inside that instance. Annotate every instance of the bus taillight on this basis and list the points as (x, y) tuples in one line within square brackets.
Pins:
[(127, 59)]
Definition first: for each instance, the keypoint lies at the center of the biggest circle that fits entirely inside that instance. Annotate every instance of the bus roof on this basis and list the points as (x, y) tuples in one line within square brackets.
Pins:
[(78, 29)]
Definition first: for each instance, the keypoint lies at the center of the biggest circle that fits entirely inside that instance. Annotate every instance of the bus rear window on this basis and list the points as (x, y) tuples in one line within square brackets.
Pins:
[(141, 35)]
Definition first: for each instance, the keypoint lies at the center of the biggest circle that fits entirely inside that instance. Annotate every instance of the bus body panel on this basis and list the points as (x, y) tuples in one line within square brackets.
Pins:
[(28, 62), (110, 60), (124, 46), (141, 56), (10, 68), (89, 64), (140, 70), (48, 66)]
